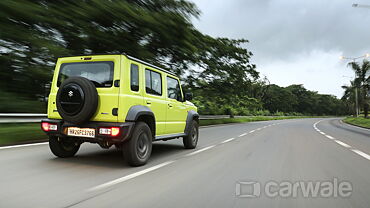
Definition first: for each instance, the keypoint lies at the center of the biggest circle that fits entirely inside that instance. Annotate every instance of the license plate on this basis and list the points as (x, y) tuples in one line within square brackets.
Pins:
[(81, 132)]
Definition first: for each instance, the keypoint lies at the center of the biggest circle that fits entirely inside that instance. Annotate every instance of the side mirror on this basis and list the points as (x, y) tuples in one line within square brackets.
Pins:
[(188, 96)]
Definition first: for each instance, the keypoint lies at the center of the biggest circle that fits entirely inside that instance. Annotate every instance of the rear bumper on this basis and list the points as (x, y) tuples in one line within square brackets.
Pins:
[(125, 130)]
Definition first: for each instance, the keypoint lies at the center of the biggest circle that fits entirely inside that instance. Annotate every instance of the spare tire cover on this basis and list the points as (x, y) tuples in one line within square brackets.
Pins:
[(77, 100)]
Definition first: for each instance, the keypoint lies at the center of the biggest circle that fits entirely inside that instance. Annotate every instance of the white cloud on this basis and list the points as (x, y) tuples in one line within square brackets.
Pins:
[(294, 41), (316, 70)]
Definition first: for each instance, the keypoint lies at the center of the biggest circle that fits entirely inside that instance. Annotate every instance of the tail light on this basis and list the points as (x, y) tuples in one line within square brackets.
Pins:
[(49, 126), (112, 131)]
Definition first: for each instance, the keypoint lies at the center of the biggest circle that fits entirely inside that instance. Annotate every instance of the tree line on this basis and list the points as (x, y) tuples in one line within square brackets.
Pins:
[(33, 34)]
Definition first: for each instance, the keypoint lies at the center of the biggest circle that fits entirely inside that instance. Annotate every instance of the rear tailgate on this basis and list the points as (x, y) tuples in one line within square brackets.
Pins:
[(103, 70)]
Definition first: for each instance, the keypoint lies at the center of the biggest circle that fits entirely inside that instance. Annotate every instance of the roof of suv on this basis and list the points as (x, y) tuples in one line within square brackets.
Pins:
[(131, 58)]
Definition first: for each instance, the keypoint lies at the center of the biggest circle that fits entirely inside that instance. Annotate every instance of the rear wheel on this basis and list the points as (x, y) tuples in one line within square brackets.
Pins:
[(191, 139), (63, 146), (138, 148)]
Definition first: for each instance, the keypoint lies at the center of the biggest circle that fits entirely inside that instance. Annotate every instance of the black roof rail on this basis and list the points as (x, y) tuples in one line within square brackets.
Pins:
[(95, 54)]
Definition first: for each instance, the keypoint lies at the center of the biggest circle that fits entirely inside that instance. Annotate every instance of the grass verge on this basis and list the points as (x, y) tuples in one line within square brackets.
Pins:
[(246, 119), (360, 121), (20, 133)]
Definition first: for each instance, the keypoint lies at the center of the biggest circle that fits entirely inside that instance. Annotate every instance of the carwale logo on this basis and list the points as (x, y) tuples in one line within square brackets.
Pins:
[(287, 189), (248, 189)]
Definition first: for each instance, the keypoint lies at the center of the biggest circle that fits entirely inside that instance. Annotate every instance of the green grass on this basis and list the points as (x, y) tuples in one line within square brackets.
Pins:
[(20, 133), (246, 119), (360, 121)]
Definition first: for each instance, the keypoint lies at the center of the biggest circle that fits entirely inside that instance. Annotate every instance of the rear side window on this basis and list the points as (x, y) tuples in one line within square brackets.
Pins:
[(153, 82), (173, 89), (100, 72), (134, 77)]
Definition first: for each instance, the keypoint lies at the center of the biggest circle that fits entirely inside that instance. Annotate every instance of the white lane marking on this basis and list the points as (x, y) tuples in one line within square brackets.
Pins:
[(342, 143), (23, 145), (128, 177), (201, 150), (315, 124), (227, 140), (133, 175), (363, 154), (330, 137), (322, 133)]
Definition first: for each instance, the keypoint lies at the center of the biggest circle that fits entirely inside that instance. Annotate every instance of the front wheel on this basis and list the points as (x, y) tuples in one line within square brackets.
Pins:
[(191, 139), (138, 148), (63, 146)]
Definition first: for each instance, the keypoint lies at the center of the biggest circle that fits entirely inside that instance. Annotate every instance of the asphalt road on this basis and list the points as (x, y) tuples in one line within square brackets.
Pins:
[(322, 152)]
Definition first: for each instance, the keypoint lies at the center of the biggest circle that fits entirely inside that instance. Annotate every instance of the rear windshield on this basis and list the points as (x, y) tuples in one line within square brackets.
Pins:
[(100, 73)]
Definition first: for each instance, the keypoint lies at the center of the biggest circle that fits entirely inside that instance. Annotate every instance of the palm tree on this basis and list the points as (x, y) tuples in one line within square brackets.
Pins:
[(349, 97), (362, 82)]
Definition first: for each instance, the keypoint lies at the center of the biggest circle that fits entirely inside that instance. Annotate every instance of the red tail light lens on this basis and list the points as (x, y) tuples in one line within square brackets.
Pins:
[(49, 126)]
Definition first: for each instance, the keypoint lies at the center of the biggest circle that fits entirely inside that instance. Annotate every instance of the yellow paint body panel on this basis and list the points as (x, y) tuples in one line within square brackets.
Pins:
[(170, 115)]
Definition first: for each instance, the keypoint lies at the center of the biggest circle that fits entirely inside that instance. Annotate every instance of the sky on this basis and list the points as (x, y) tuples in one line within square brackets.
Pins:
[(294, 42)]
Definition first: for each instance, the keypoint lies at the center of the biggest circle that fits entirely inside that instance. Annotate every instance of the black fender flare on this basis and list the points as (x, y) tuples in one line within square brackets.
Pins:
[(138, 110), (192, 115)]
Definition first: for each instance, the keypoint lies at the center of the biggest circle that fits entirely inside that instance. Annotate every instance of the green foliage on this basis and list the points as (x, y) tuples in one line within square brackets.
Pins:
[(11, 102), (279, 99), (297, 99), (361, 83), (349, 97), (217, 70)]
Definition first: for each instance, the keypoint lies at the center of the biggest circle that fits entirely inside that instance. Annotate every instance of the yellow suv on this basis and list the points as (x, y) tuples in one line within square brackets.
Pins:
[(117, 100)]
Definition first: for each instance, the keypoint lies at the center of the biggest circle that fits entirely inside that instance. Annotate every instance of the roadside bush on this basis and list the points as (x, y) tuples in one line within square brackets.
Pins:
[(261, 113), (278, 113)]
